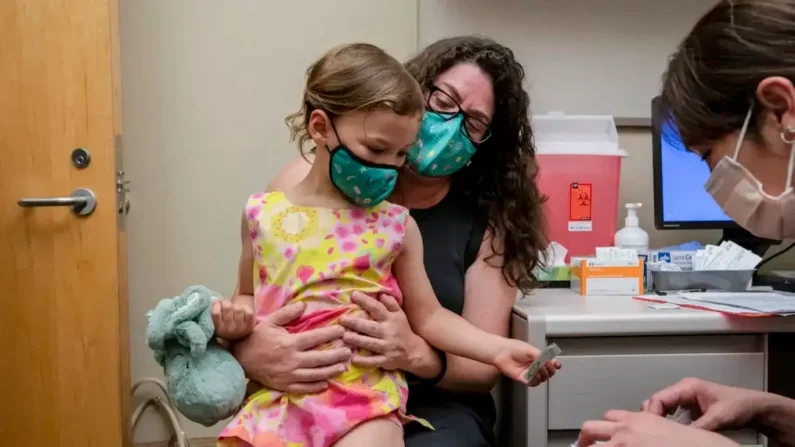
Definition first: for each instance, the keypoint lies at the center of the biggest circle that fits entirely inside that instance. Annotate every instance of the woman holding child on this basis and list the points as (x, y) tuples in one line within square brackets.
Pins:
[(479, 213)]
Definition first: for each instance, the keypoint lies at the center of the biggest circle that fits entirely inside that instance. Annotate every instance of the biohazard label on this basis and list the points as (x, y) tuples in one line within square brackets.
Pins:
[(580, 207)]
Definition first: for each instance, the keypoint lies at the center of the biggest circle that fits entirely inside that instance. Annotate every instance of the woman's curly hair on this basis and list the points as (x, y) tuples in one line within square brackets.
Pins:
[(503, 172)]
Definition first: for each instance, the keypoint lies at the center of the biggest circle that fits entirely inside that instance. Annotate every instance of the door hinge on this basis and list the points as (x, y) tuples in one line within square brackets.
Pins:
[(122, 185), (122, 188)]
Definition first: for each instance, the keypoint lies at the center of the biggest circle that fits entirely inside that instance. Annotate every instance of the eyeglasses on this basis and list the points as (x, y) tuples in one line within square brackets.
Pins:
[(443, 104)]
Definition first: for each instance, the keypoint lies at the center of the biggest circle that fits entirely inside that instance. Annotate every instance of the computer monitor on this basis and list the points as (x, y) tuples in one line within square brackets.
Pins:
[(680, 200)]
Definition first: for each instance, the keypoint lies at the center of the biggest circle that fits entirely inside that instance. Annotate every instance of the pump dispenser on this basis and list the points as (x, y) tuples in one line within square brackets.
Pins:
[(632, 236)]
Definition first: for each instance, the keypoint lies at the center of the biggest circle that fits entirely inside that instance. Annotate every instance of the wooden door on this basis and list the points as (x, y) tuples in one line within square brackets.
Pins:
[(64, 377)]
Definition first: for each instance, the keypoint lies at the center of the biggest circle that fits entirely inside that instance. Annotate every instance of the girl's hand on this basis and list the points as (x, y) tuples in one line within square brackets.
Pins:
[(387, 334), (515, 357), (232, 321)]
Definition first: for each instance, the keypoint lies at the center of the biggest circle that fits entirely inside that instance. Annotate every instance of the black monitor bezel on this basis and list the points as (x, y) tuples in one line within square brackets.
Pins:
[(657, 119)]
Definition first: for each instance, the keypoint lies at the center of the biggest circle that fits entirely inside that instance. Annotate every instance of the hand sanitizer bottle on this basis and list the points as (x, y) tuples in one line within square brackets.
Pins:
[(632, 235)]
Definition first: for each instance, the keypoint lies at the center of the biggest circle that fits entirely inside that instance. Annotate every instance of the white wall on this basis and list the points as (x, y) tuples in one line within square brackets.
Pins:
[(206, 87)]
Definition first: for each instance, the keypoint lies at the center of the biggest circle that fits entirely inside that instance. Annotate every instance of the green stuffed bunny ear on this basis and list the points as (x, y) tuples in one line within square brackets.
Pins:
[(159, 328)]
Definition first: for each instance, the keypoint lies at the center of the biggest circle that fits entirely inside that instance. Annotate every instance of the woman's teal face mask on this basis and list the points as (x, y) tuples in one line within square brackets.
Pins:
[(441, 149), (363, 183)]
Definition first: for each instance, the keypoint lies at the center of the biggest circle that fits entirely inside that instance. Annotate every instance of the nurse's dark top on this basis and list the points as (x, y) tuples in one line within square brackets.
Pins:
[(452, 232)]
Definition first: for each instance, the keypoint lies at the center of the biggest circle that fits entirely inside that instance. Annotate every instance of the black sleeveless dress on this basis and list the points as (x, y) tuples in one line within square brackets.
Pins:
[(452, 232)]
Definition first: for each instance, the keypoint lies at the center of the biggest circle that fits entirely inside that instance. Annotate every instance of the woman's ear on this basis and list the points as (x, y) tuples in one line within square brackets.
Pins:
[(319, 127), (776, 95)]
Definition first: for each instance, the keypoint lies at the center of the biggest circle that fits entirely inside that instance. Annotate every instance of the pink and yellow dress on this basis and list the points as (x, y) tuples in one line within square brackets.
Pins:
[(319, 256)]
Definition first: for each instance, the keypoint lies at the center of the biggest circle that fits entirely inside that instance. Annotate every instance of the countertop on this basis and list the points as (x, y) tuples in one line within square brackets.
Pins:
[(568, 314)]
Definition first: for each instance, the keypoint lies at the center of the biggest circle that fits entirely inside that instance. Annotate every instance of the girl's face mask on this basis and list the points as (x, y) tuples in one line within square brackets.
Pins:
[(363, 183), (743, 198)]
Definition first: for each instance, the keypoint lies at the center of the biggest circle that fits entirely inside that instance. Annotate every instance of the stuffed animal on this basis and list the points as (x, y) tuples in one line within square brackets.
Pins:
[(204, 381)]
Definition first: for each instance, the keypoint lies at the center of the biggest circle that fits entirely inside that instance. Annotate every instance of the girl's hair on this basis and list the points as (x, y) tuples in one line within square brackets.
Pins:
[(712, 78), (502, 177), (354, 77)]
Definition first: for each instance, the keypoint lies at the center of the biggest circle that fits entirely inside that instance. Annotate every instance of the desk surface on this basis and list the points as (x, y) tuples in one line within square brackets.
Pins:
[(567, 314)]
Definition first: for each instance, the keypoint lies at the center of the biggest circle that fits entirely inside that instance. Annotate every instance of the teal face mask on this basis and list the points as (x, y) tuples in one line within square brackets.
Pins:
[(365, 184), (441, 149)]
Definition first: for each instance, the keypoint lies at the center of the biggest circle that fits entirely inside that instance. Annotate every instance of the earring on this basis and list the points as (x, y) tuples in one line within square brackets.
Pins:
[(791, 131)]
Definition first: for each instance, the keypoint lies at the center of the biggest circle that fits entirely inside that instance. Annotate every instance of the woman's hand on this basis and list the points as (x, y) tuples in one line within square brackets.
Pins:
[(626, 429), (715, 407), (387, 334), (286, 362)]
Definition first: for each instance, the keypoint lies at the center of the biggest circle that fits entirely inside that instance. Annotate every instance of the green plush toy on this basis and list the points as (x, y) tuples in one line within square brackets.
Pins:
[(205, 382)]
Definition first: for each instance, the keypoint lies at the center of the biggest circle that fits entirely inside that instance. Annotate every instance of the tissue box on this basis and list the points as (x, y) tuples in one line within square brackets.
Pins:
[(554, 268), (591, 276), (552, 274)]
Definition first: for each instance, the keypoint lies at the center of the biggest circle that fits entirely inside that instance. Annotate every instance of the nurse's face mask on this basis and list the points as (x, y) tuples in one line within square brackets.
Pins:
[(743, 198)]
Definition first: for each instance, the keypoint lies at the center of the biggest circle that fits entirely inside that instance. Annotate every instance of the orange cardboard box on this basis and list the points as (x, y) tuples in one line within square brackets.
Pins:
[(591, 276)]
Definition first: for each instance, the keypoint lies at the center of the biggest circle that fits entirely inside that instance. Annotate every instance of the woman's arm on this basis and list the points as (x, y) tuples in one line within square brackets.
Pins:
[(488, 301), (776, 419)]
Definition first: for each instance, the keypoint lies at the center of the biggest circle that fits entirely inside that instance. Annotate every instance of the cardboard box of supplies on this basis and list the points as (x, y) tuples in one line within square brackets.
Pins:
[(592, 276)]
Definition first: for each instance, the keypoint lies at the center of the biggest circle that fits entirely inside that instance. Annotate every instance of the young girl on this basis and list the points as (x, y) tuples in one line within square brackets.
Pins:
[(334, 234)]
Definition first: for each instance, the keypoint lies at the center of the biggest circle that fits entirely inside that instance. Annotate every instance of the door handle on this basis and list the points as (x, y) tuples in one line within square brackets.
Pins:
[(82, 201)]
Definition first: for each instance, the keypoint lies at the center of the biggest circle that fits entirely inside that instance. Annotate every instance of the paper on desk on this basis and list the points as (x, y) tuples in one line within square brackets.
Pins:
[(664, 306), (765, 302), (729, 256), (702, 305)]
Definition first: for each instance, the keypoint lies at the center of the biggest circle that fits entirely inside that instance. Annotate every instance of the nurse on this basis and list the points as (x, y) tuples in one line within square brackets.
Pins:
[(730, 91)]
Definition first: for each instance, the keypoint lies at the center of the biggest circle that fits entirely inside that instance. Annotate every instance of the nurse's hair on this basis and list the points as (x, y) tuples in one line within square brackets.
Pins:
[(355, 77), (712, 78)]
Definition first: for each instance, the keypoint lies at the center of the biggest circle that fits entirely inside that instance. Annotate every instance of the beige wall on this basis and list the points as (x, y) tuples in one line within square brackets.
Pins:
[(206, 87)]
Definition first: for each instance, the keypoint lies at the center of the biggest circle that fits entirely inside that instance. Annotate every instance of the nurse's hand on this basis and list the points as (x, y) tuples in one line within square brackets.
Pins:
[(627, 429), (715, 407)]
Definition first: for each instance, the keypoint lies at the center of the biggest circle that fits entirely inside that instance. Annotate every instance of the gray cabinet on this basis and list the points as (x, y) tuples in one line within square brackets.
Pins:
[(617, 351)]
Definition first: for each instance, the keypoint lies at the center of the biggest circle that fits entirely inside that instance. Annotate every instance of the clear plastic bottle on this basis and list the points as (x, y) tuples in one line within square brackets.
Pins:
[(632, 235)]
